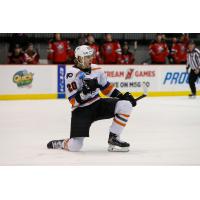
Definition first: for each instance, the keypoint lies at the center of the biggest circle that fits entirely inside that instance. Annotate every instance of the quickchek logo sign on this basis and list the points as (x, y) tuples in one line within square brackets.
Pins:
[(23, 79), (61, 81)]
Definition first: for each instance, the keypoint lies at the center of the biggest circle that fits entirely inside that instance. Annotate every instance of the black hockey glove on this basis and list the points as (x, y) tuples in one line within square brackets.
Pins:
[(90, 85), (127, 96)]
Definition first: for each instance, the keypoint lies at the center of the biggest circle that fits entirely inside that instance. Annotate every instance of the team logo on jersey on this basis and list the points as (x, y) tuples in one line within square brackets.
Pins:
[(109, 49), (69, 75), (160, 49), (23, 78), (60, 47), (182, 48)]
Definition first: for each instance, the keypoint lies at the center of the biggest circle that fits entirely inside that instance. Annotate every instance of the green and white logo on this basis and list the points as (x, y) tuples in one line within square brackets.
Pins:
[(23, 78)]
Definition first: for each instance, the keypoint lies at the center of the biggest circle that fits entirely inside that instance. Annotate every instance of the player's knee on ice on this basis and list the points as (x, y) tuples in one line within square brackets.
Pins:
[(75, 144), (123, 107)]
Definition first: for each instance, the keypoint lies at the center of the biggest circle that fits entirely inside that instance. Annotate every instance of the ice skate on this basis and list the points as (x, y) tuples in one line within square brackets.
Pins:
[(192, 96), (116, 145), (56, 144)]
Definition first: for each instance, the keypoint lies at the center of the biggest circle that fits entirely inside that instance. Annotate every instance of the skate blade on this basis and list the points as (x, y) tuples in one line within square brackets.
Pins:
[(112, 148), (192, 97)]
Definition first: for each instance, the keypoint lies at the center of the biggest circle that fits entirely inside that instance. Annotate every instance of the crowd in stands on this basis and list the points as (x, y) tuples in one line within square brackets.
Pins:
[(21, 51), (175, 51), (60, 51)]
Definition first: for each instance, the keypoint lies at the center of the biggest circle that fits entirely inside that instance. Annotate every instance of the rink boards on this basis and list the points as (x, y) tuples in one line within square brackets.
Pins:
[(48, 81)]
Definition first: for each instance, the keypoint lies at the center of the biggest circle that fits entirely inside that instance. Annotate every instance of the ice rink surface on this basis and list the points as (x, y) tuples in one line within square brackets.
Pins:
[(161, 131)]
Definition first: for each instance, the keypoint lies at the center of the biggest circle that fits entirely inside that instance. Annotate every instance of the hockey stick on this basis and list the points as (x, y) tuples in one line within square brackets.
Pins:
[(145, 91)]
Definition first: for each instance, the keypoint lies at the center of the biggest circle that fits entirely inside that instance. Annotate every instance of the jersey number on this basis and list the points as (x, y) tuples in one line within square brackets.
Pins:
[(72, 86)]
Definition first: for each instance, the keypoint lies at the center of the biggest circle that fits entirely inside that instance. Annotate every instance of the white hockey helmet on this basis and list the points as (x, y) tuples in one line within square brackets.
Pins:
[(83, 50)]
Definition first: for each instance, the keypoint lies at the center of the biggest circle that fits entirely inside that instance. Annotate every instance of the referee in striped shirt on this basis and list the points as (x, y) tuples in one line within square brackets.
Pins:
[(193, 62)]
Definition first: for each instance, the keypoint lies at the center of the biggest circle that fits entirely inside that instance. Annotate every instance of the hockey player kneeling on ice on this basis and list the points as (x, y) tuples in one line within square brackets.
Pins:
[(84, 81)]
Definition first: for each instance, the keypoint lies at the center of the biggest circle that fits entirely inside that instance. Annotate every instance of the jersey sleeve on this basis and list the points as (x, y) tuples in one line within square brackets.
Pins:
[(105, 86), (197, 58), (118, 48)]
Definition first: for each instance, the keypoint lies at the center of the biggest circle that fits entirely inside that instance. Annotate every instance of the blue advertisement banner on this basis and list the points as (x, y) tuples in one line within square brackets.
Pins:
[(61, 81)]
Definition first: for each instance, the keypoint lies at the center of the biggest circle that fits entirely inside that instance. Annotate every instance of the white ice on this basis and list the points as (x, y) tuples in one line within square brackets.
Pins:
[(161, 131)]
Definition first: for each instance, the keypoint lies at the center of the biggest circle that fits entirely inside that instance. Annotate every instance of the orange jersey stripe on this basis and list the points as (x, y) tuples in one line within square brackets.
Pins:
[(124, 115), (72, 101), (108, 89), (121, 124), (96, 68)]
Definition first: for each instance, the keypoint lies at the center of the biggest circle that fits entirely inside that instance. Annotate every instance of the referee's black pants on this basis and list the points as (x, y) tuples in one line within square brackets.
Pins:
[(192, 79)]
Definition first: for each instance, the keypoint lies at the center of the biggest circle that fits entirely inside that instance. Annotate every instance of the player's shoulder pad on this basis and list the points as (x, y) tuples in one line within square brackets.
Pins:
[(72, 72)]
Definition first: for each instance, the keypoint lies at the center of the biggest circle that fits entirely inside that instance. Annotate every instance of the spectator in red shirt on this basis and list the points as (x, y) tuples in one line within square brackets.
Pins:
[(127, 56), (31, 55), (158, 51), (185, 39), (16, 56), (179, 52), (59, 51), (91, 42), (111, 50)]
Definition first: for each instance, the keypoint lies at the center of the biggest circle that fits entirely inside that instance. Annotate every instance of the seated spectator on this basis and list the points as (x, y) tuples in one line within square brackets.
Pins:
[(16, 56), (59, 51), (127, 56), (179, 52), (31, 55), (111, 50), (18, 38), (158, 51), (91, 42)]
